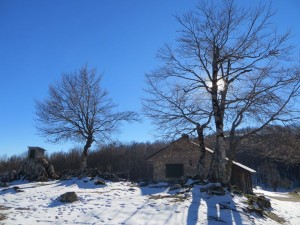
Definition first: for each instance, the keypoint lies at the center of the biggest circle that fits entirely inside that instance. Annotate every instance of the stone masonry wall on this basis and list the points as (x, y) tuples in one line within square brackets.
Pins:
[(180, 152)]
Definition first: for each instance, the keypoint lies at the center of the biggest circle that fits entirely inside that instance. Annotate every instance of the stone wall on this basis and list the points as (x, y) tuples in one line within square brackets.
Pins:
[(180, 152)]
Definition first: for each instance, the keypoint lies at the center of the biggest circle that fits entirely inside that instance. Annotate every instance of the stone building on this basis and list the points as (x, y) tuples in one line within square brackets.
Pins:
[(35, 152), (179, 160)]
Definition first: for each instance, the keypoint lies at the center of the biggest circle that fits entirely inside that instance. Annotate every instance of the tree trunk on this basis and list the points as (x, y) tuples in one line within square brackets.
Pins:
[(231, 156), (218, 162), (228, 171), (217, 171), (203, 170), (233, 142), (84, 155)]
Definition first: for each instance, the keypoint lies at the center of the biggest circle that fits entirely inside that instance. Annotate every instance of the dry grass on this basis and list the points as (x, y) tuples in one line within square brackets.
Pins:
[(3, 216), (2, 207), (275, 217)]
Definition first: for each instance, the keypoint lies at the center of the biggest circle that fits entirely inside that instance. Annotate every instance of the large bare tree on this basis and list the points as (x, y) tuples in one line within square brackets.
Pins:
[(78, 109), (236, 63)]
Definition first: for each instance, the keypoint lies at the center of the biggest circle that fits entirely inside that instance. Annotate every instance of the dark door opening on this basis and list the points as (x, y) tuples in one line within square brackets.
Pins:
[(32, 154), (174, 170)]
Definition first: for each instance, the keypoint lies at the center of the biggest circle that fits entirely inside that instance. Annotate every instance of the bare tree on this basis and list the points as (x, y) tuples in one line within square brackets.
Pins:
[(270, 99), (237, 65), (78, 109), (175, 111)]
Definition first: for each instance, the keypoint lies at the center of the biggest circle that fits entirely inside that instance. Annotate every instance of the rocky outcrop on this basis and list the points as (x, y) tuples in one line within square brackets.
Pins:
[(37, 170)]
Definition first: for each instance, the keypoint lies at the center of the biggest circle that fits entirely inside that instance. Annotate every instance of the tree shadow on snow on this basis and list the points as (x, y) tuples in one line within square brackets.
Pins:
[(219, 209)]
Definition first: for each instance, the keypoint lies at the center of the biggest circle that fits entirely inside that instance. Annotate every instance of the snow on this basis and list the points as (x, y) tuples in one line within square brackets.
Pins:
[(285, 204), (128, 203)]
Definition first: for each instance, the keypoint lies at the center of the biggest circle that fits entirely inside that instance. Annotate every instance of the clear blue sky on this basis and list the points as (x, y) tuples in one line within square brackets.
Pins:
[(41, 39)]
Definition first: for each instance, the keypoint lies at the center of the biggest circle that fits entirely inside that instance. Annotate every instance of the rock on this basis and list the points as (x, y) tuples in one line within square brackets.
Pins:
[(263, 202), (9, 176), (218, 191), (256, 210), (37, 170), (69, 197), (99, 182), (89, 172), (175, 187), (68, 174), (12, 175), (39, 173), (17, 189), (132, 189), (258, 204), (214, 190), (109, 176), (4, 184)]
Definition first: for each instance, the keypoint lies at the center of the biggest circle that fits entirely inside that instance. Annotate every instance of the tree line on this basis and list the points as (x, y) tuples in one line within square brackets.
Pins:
[(125, 160), (274, 153)]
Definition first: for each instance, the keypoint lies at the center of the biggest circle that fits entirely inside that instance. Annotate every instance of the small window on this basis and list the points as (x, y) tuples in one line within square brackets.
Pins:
[(174, 170)]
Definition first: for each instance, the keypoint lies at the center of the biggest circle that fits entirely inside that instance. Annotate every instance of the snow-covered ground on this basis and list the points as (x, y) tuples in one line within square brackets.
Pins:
[(128, 203), (285, 204)]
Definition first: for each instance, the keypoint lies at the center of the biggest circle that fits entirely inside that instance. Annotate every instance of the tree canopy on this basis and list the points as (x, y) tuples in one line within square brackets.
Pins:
[(78, 109), (230, 68)]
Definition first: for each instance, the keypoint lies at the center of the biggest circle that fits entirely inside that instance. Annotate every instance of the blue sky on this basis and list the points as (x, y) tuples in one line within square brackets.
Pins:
[(41, 39)]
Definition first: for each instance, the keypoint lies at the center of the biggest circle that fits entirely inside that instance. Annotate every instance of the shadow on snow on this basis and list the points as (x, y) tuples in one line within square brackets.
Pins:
[(219, 209)]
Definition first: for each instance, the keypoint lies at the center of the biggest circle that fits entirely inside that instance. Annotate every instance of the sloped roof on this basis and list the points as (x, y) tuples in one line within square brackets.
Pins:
[(36, 148), (207, 149), (161, 150)]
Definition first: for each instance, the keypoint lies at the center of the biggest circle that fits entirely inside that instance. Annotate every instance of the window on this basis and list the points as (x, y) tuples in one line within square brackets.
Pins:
[(174, 170)]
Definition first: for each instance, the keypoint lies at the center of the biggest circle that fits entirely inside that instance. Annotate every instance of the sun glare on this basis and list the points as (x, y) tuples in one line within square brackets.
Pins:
[(220, 83)]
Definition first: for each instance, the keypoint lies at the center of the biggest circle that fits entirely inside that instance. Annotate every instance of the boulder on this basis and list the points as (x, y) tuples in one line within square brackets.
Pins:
[(99, 182), (175, 187), (69, 197), (263, 202)]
